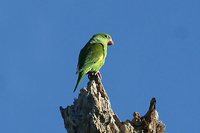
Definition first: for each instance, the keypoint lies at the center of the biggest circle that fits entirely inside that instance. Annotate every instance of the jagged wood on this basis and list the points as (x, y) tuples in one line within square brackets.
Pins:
[(92, 113)]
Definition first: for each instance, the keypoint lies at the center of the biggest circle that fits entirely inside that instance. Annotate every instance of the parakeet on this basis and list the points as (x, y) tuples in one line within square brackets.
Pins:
[(92, 56)]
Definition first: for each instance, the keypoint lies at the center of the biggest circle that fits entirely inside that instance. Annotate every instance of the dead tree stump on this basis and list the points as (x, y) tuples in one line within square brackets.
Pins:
[(92, 113)]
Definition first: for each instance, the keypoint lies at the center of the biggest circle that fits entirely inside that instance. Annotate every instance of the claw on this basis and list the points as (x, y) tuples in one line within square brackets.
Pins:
[(98, 74)]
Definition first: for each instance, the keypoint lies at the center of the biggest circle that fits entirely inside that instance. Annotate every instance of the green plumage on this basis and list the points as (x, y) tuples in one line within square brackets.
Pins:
[(92, 56)]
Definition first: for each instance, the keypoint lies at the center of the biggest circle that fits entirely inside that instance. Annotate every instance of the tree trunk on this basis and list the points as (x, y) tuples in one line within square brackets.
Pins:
[(92, 113)]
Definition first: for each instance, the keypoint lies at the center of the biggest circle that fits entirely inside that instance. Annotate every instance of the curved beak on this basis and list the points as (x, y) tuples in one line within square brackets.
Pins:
[(110, 42)]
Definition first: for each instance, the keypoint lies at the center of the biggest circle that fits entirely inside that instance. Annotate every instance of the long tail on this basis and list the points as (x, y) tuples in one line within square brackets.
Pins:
[(80, 77)]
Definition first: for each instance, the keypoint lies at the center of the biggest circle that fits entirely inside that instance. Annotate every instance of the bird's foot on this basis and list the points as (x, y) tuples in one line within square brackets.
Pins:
[(93, 75)]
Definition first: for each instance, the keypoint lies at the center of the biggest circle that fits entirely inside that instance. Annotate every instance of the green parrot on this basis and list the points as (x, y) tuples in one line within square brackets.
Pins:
[(92, 56)]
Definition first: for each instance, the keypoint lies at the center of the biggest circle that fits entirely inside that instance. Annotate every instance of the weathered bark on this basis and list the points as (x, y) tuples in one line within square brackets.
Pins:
[(92, 113)]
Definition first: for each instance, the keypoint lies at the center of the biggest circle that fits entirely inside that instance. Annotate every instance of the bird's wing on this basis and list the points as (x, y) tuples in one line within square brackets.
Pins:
[(89, 55)]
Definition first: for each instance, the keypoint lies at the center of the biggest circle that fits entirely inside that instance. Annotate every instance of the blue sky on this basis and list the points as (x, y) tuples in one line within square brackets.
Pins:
[(156, 53)]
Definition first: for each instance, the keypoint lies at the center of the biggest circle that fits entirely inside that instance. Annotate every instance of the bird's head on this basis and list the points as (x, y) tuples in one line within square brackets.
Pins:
[(103, 38)]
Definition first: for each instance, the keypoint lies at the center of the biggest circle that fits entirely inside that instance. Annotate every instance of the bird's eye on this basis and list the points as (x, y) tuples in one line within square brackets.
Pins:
[(106, 36)]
